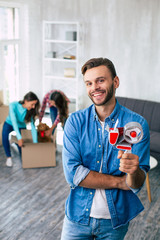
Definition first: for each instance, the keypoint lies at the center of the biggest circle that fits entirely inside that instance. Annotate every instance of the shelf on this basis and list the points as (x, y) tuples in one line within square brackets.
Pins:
[(60, 60), (61, 22), (60, 78), (60, 41)]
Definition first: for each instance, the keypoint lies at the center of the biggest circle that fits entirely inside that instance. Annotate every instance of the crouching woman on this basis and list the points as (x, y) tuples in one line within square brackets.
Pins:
[(20, 113)]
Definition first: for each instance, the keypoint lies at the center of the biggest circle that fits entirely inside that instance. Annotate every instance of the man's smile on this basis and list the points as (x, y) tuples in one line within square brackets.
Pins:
[(99, 93)]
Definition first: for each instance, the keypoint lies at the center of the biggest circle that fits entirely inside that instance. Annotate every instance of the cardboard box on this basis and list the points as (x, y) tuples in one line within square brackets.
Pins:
[(69, 72), (1, 97), (35, 155), (4, 110), (1, 127)]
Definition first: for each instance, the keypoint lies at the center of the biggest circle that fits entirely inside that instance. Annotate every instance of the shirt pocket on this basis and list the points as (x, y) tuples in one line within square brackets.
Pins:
[(114, 161)]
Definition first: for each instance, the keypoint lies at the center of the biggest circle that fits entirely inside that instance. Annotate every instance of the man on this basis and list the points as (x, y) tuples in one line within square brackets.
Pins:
[(103, 180)]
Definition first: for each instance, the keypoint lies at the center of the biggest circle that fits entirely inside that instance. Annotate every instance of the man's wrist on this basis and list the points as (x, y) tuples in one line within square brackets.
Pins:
[(136, 179), (121, 183)]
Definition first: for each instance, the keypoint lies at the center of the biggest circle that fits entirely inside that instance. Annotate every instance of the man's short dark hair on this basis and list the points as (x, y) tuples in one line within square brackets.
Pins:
[(96, 62)]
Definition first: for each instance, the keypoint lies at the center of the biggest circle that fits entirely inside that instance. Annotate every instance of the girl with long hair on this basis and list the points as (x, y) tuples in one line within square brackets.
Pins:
[(58, 104), (20, 113)]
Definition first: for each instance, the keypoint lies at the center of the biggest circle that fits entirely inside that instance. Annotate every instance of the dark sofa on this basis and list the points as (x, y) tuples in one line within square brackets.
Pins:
[(151, 112)]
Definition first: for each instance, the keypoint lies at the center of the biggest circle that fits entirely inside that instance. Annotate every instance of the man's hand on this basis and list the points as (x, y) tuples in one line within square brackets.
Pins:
[(129, 163), (20, 142)]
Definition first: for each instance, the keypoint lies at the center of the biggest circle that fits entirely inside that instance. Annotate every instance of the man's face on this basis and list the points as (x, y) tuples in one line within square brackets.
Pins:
[(100, 85)]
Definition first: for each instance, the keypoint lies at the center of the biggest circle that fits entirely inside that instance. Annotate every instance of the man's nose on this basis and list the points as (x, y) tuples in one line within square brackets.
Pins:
[(95, 86)]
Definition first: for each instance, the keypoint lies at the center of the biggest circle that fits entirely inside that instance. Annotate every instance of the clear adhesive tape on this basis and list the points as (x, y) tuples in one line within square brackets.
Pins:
[(133, 132)]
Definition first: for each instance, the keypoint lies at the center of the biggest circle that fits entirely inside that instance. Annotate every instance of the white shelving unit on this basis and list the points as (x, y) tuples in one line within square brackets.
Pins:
[(60, 59)]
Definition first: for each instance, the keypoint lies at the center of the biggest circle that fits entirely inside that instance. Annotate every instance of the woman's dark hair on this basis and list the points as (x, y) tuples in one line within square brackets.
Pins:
[(30, 96), (96, 62), (61, 104)]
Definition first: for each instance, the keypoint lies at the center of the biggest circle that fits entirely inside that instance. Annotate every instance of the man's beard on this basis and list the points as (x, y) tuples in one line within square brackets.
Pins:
[(108, 97)]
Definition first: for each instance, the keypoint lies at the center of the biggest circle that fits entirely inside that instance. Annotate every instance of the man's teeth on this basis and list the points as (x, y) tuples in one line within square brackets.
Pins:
[(97, 94)]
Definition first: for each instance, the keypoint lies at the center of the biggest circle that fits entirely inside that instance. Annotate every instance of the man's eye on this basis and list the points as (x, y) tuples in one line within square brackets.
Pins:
[(101, 80), (88, 84)]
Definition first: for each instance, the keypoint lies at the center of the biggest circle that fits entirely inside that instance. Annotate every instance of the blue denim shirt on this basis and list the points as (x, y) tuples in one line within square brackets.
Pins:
[(82, 152)]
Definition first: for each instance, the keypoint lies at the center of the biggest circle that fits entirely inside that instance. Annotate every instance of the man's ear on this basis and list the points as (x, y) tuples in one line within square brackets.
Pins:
[(116, 82)]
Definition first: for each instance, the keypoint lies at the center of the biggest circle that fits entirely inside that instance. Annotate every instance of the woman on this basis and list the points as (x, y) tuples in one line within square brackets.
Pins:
[(58, 104), (20, 113)]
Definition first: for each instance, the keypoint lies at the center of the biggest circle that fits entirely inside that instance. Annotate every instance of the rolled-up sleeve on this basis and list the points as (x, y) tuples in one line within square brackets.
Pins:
[(142, 149), (73, 167)]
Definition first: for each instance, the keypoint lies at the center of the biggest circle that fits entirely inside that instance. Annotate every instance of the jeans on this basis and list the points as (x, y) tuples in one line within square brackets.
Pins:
[(96, 230), (53, 115), (7, 128)]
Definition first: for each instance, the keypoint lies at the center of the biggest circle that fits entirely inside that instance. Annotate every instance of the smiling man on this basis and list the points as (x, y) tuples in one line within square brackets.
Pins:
[(103, 180), (102, 77)]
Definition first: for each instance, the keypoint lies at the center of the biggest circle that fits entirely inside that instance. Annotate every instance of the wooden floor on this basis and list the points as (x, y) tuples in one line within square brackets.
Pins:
[(32, 203), (31, 200)]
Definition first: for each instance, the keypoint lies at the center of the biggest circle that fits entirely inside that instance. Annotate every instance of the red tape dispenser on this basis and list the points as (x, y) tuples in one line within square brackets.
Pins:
[(124, 137)]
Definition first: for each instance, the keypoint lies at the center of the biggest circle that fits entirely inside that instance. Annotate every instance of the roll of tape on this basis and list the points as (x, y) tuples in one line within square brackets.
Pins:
[(133, 132)]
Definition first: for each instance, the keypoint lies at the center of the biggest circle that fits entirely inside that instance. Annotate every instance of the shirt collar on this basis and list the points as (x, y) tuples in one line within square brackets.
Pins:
[(113, 116)]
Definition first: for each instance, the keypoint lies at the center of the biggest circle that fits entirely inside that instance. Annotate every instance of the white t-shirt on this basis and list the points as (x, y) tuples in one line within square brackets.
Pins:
[(99, 207)]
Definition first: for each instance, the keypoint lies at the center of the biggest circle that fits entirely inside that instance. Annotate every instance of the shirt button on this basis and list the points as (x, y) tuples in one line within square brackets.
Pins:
[(91, 193), (99, 146), (113, 120), (97, 161), (99, 129), (87, 209)]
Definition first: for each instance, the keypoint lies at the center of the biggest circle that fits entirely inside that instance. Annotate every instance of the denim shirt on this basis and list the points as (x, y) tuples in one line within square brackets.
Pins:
[(82, 152)]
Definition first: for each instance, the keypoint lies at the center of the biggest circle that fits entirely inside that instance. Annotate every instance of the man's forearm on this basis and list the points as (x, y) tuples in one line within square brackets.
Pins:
[(97, 180), (129, 164), (136, 180)]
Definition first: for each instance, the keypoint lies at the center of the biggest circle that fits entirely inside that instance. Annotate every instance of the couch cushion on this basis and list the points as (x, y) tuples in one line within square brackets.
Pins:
[(155, 141)]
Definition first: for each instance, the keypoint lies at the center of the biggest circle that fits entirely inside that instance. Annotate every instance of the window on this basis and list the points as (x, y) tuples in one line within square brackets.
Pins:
[(9, 24), (9, 52)]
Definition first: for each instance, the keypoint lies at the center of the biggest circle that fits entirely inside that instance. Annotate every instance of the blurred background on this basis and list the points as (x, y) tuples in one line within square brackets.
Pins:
[(125, 31)]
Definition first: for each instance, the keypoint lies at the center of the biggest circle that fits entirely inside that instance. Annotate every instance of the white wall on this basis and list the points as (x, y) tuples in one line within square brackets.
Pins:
[(125, 31), (34, 50)]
